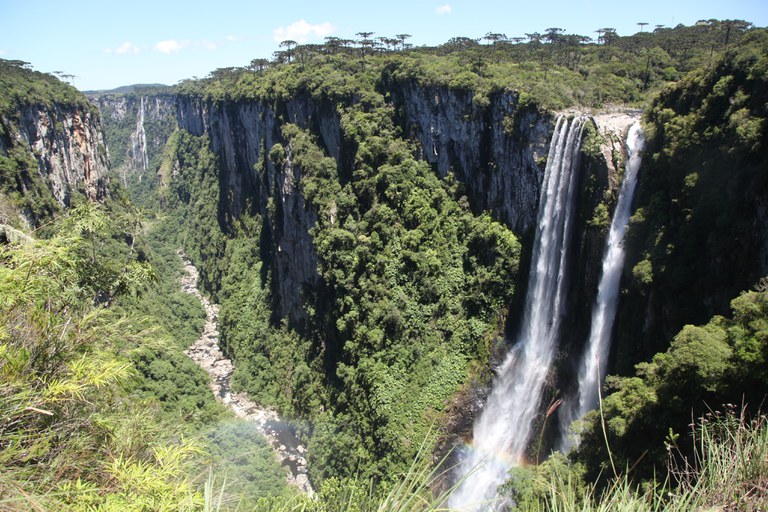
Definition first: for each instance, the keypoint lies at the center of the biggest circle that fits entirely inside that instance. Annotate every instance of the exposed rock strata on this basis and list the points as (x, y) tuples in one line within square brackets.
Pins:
[(241, 135), (497, 150), (68, 145)]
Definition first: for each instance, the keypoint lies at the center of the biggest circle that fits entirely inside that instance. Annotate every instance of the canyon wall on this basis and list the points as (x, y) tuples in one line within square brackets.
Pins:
[(55, 150), (137, 126), (496, 152)]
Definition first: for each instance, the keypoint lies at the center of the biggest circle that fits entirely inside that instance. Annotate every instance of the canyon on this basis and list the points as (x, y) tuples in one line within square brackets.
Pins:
[(497, 153), (411, 257)]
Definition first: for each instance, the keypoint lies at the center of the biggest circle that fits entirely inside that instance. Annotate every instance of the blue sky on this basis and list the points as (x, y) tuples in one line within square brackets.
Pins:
[(106, 44)]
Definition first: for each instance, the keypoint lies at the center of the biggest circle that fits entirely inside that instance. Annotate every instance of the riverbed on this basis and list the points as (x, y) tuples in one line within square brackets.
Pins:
[(289, 450)]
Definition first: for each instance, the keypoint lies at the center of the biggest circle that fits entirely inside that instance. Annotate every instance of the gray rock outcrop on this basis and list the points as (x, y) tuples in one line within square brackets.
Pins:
[(68, 146)]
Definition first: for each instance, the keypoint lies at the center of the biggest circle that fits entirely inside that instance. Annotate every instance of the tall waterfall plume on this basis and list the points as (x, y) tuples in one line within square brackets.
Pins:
[(137, 155), (502, 432), (593, 362)]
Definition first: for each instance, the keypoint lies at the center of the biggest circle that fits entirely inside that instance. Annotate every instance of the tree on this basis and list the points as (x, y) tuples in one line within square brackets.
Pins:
[(553, 34), (642, 24), (289, 45), (388, 42), (332, 45), (365, 44), (495, 38), (600, 33), (731, 25), (609, 35), (366, 36), (258, 64), (19, 64), (402, 38), (229, 73), (303, 51), (534, 38), (279, 57), (461, 43)]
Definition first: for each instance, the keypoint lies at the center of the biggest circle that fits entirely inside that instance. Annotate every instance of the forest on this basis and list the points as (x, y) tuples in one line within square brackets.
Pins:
[(369, 285)]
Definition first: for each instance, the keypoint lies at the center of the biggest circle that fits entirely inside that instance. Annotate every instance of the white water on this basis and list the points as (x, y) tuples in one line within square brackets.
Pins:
[(592, 368), (502, 432), (138, 154)]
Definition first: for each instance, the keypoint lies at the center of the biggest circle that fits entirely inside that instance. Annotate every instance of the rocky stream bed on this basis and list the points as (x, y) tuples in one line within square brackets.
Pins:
[(289, 450)]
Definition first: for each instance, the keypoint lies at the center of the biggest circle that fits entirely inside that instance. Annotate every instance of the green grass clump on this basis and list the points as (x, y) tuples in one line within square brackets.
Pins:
[(728, 471)]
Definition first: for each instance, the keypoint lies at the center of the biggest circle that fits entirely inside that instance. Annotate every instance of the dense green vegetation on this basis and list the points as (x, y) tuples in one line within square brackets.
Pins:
[(706, 367), (705, 180), (554, 69), (23, 87), (69, 425), (22, 187), (100, 410)]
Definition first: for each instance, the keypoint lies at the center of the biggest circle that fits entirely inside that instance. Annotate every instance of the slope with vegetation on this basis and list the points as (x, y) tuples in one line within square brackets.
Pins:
[(99, 408), (700, 232), (698, 237)]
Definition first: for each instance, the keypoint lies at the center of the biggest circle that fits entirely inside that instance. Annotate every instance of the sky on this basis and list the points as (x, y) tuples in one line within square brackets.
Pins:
[(106, 44)]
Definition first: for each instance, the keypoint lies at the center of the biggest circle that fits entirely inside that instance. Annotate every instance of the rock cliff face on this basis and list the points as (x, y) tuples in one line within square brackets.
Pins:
[(68, 146), (241, 135), (496, 150), (137, 127)]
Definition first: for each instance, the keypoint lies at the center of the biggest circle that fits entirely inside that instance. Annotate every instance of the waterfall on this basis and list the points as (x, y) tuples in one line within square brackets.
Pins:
[(592, 368), (138, 152), (502, 432)]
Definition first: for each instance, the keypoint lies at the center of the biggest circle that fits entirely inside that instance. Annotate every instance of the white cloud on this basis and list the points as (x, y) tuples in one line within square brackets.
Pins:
[(301, 31), (444, 9), (170, 46), (2, 52), (209, 45), (127, 48)]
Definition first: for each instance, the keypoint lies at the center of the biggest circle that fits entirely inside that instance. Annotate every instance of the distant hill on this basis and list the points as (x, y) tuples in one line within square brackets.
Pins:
[(127, 89)]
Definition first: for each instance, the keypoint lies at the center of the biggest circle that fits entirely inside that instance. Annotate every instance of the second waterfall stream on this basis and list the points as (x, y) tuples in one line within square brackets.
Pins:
[(595, 358), (502, 432)]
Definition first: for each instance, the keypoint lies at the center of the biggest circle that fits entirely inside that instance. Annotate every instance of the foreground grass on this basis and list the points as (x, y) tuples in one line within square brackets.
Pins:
[(728, 472)]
